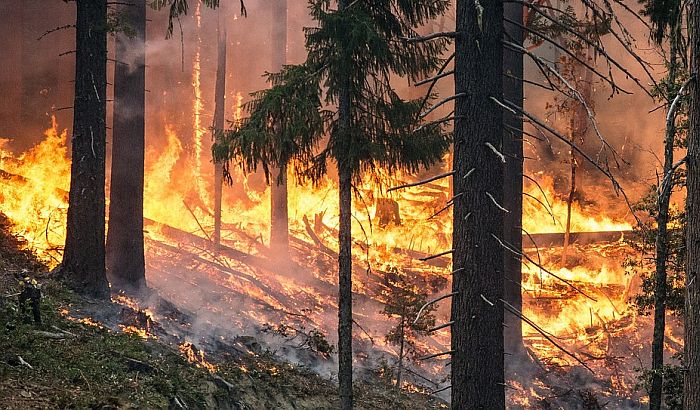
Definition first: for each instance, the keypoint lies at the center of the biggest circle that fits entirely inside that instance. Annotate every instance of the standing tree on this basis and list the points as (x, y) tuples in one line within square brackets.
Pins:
[(404, 299), (219, 122), (279, 212), (513, 75), (666, 28), (83, 262), (691, 387), (353, 53), (477, 258), (125, 251)]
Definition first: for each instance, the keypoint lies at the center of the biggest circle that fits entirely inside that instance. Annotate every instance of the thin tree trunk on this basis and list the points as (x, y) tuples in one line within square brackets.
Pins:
[(661, 245), (691, 385), (83, 264), (125, 253), (477, 310), (279, 213), (401, 347), (219, 115), (572, 191), (345, 172), (513, 181)]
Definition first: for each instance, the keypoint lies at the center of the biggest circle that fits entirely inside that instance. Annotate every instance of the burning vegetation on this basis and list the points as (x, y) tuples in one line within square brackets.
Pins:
[(376, 214)]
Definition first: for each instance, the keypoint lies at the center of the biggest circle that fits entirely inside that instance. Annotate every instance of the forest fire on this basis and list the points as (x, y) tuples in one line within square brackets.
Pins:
[(593, 306), (382, 209)]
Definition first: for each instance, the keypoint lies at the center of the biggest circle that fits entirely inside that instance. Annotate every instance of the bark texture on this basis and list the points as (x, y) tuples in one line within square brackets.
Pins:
[(661, 257), (345, 245), (279, 213), (125, 249), (477, 308), (691, 387), (83, 264), (219, 118), (513, 180)]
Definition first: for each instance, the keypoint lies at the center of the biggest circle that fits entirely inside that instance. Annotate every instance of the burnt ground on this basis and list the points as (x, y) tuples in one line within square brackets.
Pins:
[(84, 355)]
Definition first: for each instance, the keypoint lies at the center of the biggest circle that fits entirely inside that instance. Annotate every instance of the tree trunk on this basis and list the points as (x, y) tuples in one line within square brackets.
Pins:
[(219, 117), (345, 282), (11, 76), (345, 171), (279, 213), (477, 309), (661, 245), (691, 387), (83, 264), (401, 348), (513, 181), (125, 253)]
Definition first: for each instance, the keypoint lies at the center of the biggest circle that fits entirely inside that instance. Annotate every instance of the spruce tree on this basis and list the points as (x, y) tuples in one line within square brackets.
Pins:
[(352, 55), (691, 387), (83, 264), (477, 259), (125, 249)]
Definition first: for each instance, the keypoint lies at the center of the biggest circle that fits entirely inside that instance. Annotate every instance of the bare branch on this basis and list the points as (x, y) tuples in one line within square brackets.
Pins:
[(425, 181), (431, 302), (432, 36)]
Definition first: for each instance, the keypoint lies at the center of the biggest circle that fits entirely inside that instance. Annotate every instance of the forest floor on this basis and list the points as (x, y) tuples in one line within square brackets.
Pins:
[(86, 354)]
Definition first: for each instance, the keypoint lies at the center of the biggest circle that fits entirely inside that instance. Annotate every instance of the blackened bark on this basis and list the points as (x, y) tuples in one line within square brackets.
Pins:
[(83, 264), (513, 181), (477, 308), (11, 41), (691, 386), (219, 117), (125, 253), (279, 213), (661, 244), (345, 169)]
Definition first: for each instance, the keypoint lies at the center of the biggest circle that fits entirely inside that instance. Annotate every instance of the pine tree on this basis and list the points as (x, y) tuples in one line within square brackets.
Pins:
[(83, 264), (691, 388), (666, 27), (477, 259), (513, 73), (352, 53), (279, 213), (125, 248)]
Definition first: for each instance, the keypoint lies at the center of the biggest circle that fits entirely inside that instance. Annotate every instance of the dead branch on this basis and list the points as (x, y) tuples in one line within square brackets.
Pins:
[(436, 328), (441, 103), (432, 36), (425, 181), (511, 309), (431, 356), (432, 302), (512, 249), (435, 78), (437, 255)]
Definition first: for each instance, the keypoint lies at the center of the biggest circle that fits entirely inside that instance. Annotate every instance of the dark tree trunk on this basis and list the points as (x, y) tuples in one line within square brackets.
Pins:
[(513, 181), (11, 75), (279, 213), (345, 280), (219, 118), (345, 171), (125, 253), (691, 387), (661, 245), (83, 264), (477, 308)]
